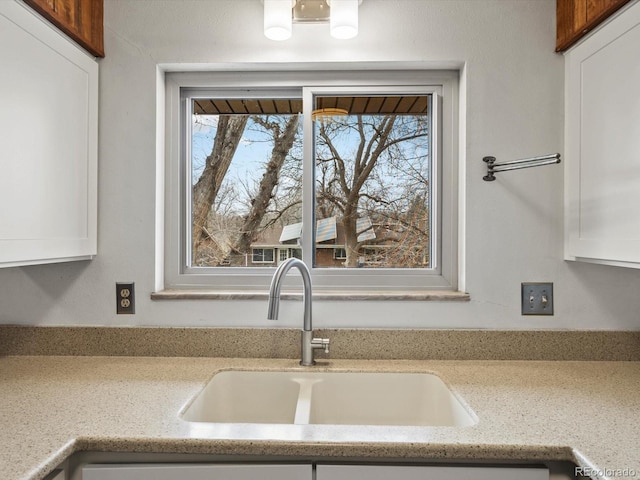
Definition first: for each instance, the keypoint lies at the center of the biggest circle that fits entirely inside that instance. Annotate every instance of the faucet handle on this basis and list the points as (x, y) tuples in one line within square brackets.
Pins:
[(321, 343)]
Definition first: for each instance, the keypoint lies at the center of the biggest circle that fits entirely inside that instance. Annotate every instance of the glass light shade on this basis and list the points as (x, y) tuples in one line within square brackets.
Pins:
[(328, 115), (277, 19), (343, 21)]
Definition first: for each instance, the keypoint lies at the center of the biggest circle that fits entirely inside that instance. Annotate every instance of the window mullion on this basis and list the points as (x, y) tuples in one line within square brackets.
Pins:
[(308, 180)]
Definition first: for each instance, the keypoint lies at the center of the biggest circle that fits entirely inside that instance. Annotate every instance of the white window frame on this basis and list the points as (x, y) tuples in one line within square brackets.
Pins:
[(442, 85)]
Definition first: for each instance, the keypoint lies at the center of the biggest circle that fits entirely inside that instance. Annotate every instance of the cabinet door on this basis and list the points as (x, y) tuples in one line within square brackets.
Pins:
[(197, 472), (397, 472), (602, 144), (48, 153)]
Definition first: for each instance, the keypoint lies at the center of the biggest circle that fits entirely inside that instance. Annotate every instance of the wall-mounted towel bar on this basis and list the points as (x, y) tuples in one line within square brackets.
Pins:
[(493, 167)]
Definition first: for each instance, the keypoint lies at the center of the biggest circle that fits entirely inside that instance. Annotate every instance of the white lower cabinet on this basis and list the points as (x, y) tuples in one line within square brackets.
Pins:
[(417, 472), (170, 471), (175, 471)]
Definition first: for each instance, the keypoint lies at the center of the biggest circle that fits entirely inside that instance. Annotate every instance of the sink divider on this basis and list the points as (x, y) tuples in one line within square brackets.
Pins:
[(303, 406)]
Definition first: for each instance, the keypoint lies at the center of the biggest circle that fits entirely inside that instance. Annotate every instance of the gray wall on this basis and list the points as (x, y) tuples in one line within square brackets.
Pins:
[(513, 90)]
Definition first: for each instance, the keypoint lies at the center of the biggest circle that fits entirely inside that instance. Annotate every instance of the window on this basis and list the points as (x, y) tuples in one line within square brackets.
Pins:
[(373, 175), (262, 255), (355, 177), (339, 254), (286, 253)]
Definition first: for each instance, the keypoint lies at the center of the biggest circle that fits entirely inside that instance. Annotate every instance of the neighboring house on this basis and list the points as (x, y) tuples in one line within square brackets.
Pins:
[(277, 244)]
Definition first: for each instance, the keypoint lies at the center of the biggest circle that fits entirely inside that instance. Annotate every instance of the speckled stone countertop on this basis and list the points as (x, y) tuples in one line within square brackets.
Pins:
[(51, 407)]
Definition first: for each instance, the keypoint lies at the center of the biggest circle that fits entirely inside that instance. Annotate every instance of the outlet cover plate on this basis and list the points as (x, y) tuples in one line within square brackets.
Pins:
[(537, 298), (125, 297)]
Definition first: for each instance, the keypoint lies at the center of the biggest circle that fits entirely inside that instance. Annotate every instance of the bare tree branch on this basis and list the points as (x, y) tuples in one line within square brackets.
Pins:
[(228, 136), (283, 141)]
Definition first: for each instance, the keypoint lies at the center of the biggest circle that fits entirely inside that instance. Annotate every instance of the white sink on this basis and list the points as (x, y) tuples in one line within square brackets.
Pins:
[(386, 399), (337, 398), (246, 397)]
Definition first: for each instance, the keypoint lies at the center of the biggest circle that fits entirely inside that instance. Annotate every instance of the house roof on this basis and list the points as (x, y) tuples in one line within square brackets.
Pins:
[(327, 229), (365, 230), (291, 232)]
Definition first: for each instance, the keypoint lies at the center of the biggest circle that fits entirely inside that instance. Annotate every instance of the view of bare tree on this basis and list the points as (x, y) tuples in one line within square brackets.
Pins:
[(354, 177), (367, 167), (205, 191), (283, 141)]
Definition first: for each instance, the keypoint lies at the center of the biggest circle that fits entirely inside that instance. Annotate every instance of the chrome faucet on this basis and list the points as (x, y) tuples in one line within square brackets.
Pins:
[(309, 344)]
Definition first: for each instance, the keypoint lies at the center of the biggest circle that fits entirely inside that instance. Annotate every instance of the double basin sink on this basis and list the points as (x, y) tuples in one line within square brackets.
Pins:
[(336, 398)]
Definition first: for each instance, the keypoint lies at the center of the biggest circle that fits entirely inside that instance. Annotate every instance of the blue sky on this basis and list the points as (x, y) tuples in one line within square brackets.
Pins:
[(253, 151)]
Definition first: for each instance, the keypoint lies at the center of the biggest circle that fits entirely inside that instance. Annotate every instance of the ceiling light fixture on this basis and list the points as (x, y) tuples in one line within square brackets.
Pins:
[(277, 19), (343, 21), (279, 15), (327, 115)]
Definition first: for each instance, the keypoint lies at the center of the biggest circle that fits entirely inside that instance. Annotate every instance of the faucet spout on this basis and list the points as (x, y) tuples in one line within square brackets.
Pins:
[(308, 343), (276, 287)]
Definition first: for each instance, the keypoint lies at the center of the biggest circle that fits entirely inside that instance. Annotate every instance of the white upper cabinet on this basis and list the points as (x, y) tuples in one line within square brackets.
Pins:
[(602, 144), (48, 147)]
